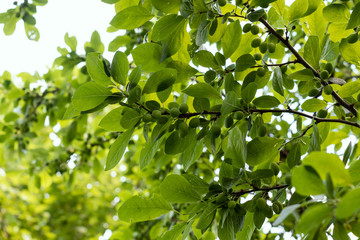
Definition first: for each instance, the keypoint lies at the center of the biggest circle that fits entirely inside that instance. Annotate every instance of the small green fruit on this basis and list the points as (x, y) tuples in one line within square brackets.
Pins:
[(156, 114), (329, 67), (238, 115), (183, 108), (328, 89), (222, 3), (275, 167), (313, 92), (263, 47), (247, 28), (322, 113), (229, 121), (231, 204), (324, 74), (271, 47), (283, 68), (261, 203), (276, 208), (255, 42), (183, 126), (261, 72), (262, 131), (147, 117), (215, 130), (257, 56), (194, 122), (255, 29), (163, 119), (174, 112), (210, 15), (353, 38)]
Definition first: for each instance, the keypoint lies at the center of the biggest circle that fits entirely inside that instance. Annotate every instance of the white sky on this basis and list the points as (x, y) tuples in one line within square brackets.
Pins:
[(77, 17)]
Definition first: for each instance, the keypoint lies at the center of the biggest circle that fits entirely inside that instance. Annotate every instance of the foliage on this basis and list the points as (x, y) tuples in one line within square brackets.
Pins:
[(212, 118)]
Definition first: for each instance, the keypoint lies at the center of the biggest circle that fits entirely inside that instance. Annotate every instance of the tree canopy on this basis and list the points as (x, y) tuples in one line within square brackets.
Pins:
[(215, 119)]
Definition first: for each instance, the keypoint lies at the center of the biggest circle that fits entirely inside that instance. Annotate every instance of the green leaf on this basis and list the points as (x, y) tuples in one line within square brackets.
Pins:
[(117, 149), (294, 155), (148, 55), (302, 75), (354, 17), (89, 95), (354, 171), (202, 90), (130, 118), (167, 26), (261, 150), (306, 181), (302, 8), (119, 41), (111, 121), (148, 152), (229, 104), (277, 81), (236, 147), (285, 213), (206, 59), (177, 189), (175, 144), (160, 80), (266, 102), (340, 233), (191, 154), (350, 52), (313, 217), (135, 75), (312, 51), (138, 209), (167, 6), (349, 89), (202, 32), (231, 39), (248, 228), (313, 105), (336, 12), (96, 70), (120, 67), (349, 204), (71, 42), (315, 141), (226, 229), (244, 62), (207, 216), (325, 163), (248, 93), (131, 17), (256, 15), (174, 232)]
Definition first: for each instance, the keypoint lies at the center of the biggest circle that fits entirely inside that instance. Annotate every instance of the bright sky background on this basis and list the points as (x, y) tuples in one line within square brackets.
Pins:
[(77, 17)]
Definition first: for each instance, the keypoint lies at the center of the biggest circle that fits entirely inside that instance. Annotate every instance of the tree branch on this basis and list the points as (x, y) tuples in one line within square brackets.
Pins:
[(301, 60), (243, 192)]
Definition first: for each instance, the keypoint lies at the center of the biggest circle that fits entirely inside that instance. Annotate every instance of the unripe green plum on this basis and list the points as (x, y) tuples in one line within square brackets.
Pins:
[(247, 28), (353, 38), (238, 115), (147, 117), (261, 203), (329, 67), (255, 29), (231, 204), (255, 42), (174, 112), (257, 56), (328, 89), (194, 122), (156, 114), (229, 121), (210, 15), (215, 131), (322, 113), (271, 47), (222, 3), (263, 47), (262, 131), (261, 72), (283, 68), (163, 119), (313, 92), (324, 74), (183, 108)]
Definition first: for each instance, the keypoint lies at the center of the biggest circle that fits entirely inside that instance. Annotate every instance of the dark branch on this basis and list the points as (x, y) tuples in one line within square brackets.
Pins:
[(301, 60), (243, 192)]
